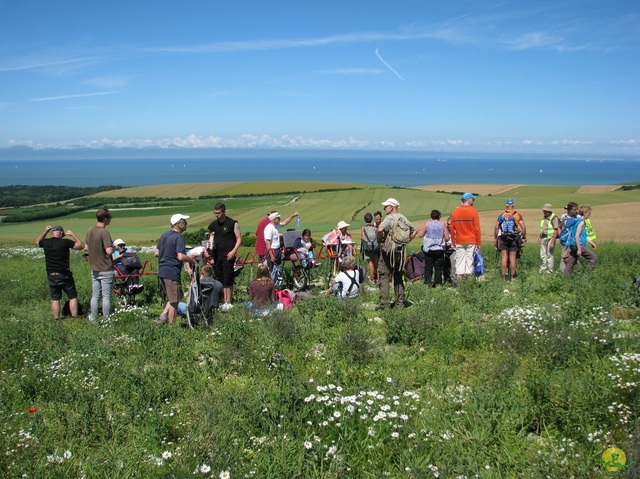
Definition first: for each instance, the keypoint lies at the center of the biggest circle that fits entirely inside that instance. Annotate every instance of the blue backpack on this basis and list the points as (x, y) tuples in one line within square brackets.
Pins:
[(568, 234)]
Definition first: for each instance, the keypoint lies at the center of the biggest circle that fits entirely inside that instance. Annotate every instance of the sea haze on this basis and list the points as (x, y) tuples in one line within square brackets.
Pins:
[(400, 170)]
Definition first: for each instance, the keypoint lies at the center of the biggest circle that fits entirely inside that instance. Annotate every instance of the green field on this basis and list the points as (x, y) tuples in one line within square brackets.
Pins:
[(319, 210), (490, 380)]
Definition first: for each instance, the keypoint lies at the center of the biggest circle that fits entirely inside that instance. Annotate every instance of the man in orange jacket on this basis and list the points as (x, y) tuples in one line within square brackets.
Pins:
[(465, 235)]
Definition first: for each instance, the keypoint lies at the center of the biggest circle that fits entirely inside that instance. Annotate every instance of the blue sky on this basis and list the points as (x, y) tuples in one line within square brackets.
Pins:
[(525, 76)]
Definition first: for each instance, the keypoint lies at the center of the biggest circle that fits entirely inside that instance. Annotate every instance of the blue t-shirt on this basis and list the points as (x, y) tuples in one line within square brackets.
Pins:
[(170, 245)]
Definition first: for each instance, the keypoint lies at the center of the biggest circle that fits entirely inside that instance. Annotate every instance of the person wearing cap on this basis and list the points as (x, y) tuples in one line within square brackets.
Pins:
[(547, 239), (465, 235), (133, 279), (171, 253), (226, 240), (339, 240), (100, 247), (272, 238), (509, 234), (392, 254), (56, 256), (261, 246)]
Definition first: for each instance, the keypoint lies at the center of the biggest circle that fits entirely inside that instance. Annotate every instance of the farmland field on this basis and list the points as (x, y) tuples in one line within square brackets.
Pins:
[(321, 210)]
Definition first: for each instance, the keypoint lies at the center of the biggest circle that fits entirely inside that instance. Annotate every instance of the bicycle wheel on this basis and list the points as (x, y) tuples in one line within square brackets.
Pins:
[(300, 277)]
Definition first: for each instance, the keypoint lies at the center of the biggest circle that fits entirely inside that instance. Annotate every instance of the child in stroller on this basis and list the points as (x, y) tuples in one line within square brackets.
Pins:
[(203, 298), (304, 246), (127, 264)]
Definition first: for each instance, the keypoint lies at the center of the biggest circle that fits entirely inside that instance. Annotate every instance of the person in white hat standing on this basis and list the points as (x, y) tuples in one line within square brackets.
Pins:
[(171, 254), (547, 240), (392, 253)]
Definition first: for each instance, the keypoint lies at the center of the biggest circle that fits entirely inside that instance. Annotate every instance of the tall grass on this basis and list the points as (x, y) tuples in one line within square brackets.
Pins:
[(493, 379)]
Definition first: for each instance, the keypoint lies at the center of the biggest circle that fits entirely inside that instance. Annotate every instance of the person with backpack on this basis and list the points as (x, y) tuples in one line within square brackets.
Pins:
[(370, 246), (466, 237), (435, 237), (346, 285), (393, 234), (509, 233), (575, 239), (547, 238)]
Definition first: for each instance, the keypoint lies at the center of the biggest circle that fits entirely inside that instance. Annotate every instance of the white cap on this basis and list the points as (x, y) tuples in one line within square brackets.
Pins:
[(273, 216), (391, 202), (118, 242), (177, 217), (342, 224)]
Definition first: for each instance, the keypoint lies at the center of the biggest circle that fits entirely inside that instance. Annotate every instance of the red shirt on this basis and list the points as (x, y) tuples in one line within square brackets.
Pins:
[(261, 246)]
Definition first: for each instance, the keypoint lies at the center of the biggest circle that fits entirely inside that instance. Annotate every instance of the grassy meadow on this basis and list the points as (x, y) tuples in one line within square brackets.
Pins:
[(530, 379)]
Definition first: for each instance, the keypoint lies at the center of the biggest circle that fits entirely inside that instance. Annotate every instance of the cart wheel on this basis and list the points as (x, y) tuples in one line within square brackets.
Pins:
[(300, 277)]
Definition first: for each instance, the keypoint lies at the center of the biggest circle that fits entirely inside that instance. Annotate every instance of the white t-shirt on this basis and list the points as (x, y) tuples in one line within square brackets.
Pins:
[(344, 277), (272, 234), (197, 253)]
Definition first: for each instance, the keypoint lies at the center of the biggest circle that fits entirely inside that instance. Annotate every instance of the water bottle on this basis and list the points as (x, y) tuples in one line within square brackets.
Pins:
[(298, 222)]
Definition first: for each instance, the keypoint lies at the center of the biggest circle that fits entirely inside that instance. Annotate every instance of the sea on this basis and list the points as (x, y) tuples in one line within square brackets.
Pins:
[(387, 170)]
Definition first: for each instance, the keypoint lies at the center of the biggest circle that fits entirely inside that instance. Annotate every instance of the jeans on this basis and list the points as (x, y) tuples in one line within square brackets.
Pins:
[(102, 285)]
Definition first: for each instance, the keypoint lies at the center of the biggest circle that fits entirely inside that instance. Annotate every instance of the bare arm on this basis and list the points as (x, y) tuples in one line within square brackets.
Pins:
[(79, 244), (42, 235), (287, 220), (232, 253)]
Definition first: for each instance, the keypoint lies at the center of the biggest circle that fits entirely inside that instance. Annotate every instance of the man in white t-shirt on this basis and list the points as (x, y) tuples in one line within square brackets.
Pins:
[(347, 282), (272, 237)]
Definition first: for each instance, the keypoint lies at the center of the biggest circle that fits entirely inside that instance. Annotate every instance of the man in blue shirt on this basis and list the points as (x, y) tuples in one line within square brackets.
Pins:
[(171, 254)]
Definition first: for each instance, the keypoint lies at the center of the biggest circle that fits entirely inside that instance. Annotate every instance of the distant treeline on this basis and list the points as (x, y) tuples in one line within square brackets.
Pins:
[(279, 193), (23, 195), (39, 213)]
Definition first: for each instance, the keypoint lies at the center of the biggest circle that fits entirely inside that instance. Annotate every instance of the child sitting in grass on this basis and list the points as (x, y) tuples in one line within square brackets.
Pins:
[(262, 292)]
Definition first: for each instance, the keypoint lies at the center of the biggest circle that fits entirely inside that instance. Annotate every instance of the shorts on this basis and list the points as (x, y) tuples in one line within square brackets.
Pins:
[(510, 243), (224, 271), (464, 258), (173, 290), (59, 282)]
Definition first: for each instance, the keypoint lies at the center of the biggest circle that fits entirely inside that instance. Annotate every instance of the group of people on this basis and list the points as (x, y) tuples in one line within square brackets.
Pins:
[(383, 246)]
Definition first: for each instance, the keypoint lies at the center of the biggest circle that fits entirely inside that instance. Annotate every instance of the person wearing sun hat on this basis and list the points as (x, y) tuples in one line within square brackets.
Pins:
[(171, 253), (465, 235), (392, 253), (340, 240), (56, 256), (547, 239)]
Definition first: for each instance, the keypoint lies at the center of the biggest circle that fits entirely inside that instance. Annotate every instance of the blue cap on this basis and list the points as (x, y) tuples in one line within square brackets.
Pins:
[(510, 201), (468, 196)]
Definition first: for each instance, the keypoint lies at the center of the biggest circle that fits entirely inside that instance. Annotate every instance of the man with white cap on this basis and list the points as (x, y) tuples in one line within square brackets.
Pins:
[(272, 237), (394, 233), (547, 239), (465, 235), (171, 254)]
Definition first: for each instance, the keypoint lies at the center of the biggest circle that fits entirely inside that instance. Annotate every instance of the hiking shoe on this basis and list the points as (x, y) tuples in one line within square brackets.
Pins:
[(162, 319), (226, 307)]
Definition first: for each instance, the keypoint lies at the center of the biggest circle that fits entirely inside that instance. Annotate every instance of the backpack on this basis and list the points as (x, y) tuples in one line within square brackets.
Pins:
[(370, 246), (478, 264), (131, 261), (284, 296), (400, 232), (414, 266), (508, 223), (568, 234)]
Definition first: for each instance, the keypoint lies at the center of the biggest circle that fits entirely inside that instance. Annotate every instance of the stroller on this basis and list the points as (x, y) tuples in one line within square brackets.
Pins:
[(203, 300)]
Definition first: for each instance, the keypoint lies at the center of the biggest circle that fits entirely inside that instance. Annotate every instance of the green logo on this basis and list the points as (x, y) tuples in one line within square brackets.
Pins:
[(614, 461)]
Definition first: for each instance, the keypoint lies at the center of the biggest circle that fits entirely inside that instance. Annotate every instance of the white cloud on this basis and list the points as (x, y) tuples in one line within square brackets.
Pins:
[(77, 95)]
